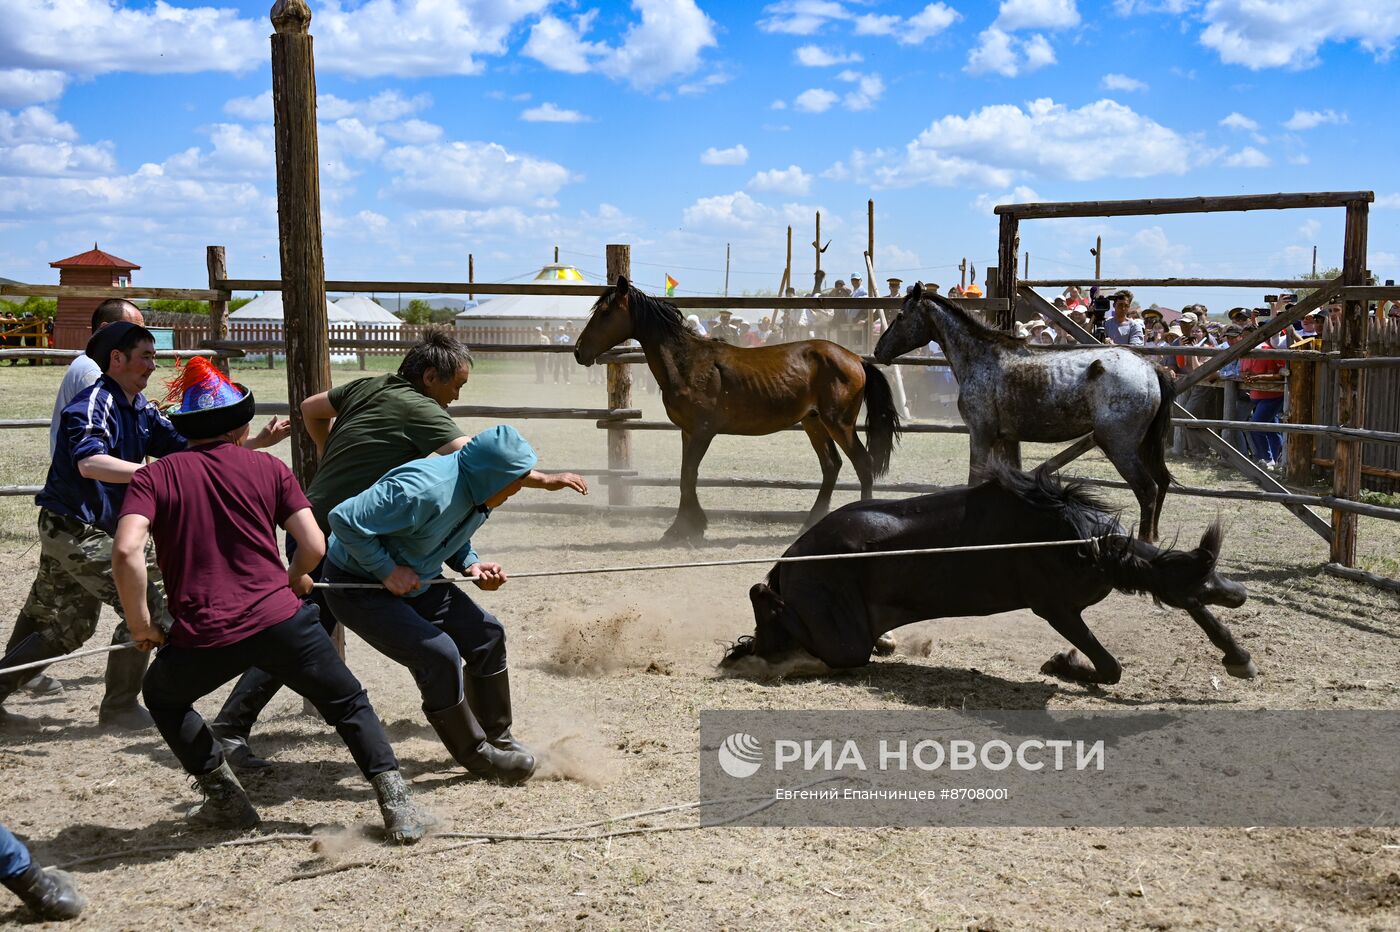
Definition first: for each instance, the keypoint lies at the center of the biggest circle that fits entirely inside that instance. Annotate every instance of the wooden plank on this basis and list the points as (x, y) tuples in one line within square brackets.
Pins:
[(1316, 430), (97, 291), (1355, 575), (1183, 205), (44, 353), (1351, 398), (1377, 471), (1276, 324), (26, 422), (1008, 244), (17, 490), (667, 425), (299, 221), (1370, 362), (281, 409), (217, 264), (619, 378), (1173, 282), (1371, 292)]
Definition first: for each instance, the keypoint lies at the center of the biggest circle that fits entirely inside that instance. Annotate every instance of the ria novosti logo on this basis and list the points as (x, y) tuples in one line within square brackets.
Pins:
[(740, 755)]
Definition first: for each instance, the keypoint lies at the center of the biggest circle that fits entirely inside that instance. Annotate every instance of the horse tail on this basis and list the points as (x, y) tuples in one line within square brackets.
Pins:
[(1154, 444), (882, 428)]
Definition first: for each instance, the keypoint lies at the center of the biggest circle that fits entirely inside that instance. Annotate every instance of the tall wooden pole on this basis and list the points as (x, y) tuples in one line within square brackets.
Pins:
[(1008, 243), (619, 259), (962, 274), (726, 270), (1351, 396), (870, 272), (1098, 258), (817, 245), (471, 274), (218, 309), (299, 221)]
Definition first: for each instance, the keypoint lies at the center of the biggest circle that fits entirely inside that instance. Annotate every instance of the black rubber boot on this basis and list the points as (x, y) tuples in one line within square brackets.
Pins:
[(49, 892), (40, 683), (234, 723), (125, 670), (225, 804), (34, 647), (461, 734), (489, 697), (405, 822)]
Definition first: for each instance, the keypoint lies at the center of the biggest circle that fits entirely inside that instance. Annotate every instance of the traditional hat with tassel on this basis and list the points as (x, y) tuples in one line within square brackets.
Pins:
[(209, 404)]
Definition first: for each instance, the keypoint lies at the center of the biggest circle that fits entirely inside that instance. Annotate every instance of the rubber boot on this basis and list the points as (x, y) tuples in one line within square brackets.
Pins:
[(405, 822), (50, 893), (35, 647), (232, 726), (461, 734), (119, 709), (225, 804), (40, 684), (489, 697)]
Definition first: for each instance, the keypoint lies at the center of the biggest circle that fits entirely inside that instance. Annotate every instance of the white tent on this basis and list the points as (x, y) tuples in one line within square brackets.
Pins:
[(364, 311), (267, 307), (519, 310)]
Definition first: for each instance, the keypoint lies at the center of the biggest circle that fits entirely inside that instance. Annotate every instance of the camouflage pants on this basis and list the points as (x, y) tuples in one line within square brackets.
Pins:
[(75, 579)]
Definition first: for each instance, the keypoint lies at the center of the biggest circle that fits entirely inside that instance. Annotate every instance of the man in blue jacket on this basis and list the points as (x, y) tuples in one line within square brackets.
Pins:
[(392, 540)]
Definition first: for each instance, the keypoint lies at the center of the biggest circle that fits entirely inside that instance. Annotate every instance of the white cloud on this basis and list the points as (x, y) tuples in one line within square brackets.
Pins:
[(476, 172), (815, 100), (1387, 201), (869, 89), (778, 105), (714, 79), (34, 124), (814, 56), (1122, 82), (734, 155), (1007, 55), (999, 144), (809, 17), (21, 86), (1037, 14), (665, 42), (792, 181), (237, 151), (1240, 122), (1310, 119), (250, 108), (738, 213), (927, 23), (1018, 195), (412, 131), (549, 113), (1248, 157), (1261, 35)]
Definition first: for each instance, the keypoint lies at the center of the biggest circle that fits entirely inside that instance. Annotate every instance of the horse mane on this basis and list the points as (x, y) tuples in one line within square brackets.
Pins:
[(653, 319), (1070, 499), (990, 334)]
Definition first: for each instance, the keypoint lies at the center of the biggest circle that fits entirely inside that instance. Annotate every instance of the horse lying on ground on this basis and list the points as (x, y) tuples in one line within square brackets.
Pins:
[(1009, 391), (710, 387), (826, 615)]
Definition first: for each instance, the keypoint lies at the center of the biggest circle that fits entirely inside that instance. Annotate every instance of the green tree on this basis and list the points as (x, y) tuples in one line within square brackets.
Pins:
[(1323, 276), (417, 312), (171, 306)]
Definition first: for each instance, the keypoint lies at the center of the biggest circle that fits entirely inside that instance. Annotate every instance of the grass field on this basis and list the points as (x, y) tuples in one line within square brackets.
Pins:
[(610, 674)]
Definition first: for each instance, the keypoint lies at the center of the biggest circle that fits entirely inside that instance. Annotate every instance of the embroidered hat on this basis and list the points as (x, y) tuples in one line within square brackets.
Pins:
[(209, 404)]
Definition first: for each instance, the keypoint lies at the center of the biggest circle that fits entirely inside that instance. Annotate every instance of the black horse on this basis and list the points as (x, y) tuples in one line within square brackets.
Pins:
[(824, 615)]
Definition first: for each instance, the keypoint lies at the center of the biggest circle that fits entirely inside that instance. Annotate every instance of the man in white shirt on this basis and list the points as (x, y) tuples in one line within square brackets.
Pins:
[(82, 372)]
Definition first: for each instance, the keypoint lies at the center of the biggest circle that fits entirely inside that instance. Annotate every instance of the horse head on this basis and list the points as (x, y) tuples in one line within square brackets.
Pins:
[(911, 328), (1183, 579), (609, 323)]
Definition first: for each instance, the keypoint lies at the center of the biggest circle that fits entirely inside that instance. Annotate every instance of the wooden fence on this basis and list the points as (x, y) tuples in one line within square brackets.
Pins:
[(1380, 463)]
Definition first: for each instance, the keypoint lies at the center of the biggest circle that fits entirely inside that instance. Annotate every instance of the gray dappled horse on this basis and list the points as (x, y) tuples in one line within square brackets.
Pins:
[(1009, 392)]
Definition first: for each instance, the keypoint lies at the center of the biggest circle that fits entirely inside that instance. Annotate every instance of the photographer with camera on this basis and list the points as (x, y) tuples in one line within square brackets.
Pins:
[(1124, 328)]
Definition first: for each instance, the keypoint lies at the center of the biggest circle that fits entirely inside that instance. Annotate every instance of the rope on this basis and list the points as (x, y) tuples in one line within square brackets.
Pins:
[(588, 571), (66, 657)]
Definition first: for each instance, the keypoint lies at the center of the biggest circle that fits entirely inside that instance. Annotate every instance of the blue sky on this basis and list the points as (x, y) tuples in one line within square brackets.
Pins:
[(502, 129)]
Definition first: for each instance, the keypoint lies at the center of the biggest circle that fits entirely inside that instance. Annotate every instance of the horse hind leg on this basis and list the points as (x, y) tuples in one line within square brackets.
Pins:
[(1099, 667), (690, 522), (831, 467), (844, 435), (1140, 479)]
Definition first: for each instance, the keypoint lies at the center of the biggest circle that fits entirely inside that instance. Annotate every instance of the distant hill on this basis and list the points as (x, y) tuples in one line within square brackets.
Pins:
[(396, 303)]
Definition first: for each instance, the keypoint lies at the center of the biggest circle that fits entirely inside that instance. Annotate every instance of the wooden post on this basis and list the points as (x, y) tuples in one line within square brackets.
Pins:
[(870, 271), (1008, 242), (471, 274), (1027, 264), (360, 337), (1299, 448), (1351, 396), (619, 260), (1098, 258), (299, 221), (217, 262), (962, 274), (817, 245)]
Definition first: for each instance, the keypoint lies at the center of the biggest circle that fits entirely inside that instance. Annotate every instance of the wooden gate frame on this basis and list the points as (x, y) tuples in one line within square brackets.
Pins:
[(1346, 476)]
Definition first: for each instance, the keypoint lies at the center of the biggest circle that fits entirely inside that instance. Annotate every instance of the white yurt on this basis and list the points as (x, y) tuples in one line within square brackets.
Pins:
[(261, 319), (362, 310), (513, 318)]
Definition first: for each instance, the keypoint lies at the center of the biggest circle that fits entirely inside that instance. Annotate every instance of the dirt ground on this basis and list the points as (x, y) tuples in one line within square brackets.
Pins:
[(610, 674)]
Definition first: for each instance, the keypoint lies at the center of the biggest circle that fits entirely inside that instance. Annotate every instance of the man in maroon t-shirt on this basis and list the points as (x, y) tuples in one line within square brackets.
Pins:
[(213, 510)]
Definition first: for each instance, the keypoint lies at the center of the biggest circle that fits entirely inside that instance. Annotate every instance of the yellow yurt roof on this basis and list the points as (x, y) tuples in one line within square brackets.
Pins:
[(560, 273)]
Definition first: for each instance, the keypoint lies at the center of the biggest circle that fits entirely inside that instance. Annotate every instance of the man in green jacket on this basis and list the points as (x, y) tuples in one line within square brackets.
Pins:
[(388, 546)]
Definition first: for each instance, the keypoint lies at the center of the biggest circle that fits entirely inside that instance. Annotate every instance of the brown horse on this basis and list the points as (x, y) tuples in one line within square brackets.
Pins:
[(712, 388)]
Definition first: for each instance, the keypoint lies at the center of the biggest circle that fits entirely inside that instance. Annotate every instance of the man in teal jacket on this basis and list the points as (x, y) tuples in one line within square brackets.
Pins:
[(400, 532)]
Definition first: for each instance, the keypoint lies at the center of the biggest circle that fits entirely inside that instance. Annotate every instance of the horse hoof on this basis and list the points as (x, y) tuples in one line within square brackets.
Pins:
[(885, 645), (1245, 671)]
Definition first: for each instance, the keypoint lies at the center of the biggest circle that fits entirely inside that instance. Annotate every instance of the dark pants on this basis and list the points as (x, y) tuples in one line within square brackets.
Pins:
[(256, 688), (1267, 445), (433, 634), (299, 653)]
